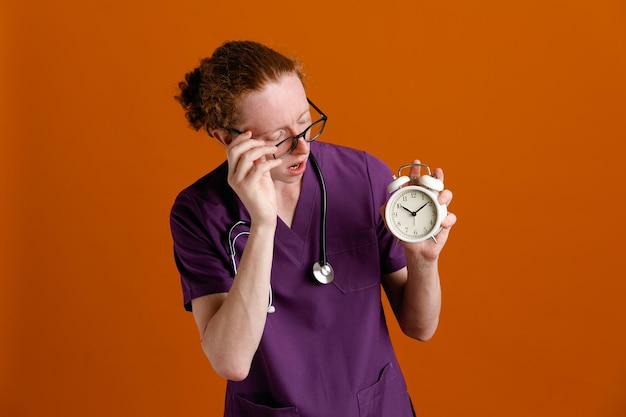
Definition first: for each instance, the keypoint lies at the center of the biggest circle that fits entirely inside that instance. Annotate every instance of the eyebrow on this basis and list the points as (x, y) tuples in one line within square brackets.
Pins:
[(282, 127)]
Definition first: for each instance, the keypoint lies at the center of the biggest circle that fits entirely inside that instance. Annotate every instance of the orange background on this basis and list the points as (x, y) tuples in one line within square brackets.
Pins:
[(522, 102)]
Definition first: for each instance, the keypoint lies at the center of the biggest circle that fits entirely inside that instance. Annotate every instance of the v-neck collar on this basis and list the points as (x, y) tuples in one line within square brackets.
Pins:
[(296, 239)]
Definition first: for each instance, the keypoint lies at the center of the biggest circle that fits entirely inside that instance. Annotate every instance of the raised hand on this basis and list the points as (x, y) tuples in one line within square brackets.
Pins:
[(249, 176)]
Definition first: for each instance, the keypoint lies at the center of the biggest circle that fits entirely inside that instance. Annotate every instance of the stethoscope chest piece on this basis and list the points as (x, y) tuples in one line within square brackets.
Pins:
[(324, 274)]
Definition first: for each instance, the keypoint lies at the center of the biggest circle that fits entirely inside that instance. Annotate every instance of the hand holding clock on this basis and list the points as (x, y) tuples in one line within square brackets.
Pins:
[(415, 291), (425, 230), (429, 248)]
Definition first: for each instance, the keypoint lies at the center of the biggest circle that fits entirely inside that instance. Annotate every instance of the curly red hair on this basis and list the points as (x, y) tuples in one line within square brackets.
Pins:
[(210, 92)]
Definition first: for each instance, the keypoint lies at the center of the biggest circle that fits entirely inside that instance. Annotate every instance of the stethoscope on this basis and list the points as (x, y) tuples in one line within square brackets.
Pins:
[(322, 270)]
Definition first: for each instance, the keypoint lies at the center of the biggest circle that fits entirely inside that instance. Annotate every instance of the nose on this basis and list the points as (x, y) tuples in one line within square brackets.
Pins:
[(302, 146)]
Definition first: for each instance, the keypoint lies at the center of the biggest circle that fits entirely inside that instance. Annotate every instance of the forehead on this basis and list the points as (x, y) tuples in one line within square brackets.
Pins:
[(279, 103)]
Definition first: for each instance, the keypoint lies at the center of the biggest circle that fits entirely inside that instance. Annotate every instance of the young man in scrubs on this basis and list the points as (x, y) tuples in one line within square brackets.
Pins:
[(287, 344)]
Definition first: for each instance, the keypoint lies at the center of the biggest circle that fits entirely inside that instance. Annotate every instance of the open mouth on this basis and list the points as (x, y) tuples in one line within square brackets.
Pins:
[(295, 166)]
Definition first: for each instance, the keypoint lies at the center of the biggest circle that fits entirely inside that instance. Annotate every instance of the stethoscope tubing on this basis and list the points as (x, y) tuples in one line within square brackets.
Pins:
[(324, 206), (322, 270)]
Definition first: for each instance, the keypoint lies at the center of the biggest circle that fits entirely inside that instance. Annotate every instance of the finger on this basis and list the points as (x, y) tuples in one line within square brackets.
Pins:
[(237, 159), (445, 197), (261, 167), (249, 158), (438, 173), (415, 171), (251, 150), (240, 145), (449, 221), (444, 232), (442, 238)]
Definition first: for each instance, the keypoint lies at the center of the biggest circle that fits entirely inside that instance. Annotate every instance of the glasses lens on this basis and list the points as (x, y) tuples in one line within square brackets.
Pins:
[(289, 145), (315, 130), (284, 148)]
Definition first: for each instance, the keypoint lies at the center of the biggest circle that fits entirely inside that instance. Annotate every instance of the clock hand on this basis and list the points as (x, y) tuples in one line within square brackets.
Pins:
[(412, 213), (420, 209)]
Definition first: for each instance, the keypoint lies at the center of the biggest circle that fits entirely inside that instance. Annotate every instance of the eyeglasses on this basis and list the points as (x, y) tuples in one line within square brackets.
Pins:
[(286, 146)]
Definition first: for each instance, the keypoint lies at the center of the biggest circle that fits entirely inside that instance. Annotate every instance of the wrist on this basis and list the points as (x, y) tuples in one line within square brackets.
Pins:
[(263, 225), (420, 261)]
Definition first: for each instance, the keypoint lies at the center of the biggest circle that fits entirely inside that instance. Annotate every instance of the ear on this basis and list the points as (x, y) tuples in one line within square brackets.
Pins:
[(221, 135)]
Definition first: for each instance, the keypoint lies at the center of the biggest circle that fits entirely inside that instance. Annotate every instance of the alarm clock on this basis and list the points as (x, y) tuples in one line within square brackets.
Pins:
[(413, 213)]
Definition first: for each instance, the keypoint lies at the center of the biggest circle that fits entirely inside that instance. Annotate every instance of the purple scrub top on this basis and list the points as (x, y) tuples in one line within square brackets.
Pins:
[(326, 350)]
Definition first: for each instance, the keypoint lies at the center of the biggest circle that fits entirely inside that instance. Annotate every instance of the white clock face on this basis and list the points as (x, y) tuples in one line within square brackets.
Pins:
[(411, 214)]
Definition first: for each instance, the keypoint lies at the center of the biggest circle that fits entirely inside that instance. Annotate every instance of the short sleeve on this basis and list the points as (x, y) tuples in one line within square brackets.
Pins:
[(391, 252), (200, 257)]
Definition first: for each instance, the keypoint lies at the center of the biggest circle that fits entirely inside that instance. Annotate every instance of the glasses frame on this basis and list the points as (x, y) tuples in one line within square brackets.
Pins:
[(295, 138)]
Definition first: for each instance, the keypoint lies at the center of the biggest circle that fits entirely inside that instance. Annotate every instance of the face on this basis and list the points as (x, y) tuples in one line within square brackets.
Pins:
[(276, 112)]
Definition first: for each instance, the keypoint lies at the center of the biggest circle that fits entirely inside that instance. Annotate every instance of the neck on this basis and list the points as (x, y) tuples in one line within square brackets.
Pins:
[(287, 196)]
